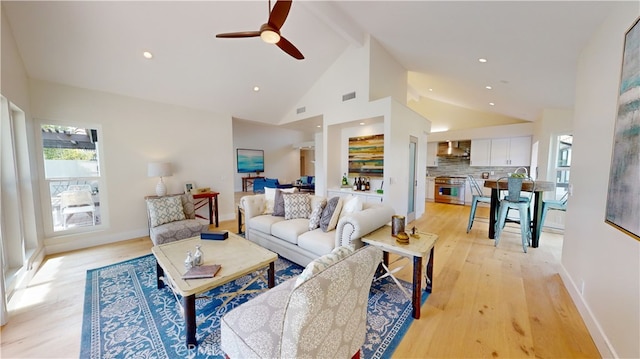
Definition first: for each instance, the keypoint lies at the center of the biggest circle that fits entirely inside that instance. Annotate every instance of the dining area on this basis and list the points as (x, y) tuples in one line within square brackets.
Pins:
[(522, 193)]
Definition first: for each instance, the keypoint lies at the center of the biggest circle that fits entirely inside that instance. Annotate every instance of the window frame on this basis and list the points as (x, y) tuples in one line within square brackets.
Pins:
[(45, 193), (557, 168)]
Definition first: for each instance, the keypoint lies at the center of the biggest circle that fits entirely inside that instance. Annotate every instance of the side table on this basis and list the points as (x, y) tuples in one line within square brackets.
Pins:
[(212, 198), (417, 249), (246, 181)]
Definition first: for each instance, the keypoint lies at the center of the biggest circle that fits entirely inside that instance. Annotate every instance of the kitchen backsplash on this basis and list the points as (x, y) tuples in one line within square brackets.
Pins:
[(456, 166)]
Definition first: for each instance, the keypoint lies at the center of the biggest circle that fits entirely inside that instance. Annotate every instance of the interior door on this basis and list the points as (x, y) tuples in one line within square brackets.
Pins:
[(413, 181)]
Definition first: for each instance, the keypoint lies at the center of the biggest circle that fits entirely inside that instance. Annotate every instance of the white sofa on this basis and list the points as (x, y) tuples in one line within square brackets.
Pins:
[(292, 238)]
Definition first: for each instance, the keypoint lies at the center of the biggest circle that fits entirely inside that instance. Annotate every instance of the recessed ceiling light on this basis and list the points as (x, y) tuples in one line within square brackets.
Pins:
[(361, 123), (491, 104), (488, 87), (318, 126), (256, 88), (147, 55), (483, 60), (430, 89)]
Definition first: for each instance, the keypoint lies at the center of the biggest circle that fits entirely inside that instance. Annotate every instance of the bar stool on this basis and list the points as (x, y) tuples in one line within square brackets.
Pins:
[(478, 196), (514, 200)]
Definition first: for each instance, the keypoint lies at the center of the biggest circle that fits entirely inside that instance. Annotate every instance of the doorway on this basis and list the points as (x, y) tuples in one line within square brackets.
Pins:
[(413, 181)]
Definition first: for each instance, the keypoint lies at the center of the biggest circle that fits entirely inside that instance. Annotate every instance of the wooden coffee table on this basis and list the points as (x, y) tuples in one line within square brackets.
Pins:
[(237, 256), (416, 249)]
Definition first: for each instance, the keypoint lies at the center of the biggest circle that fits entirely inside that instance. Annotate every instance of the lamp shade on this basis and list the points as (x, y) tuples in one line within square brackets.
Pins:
[(159, 169)]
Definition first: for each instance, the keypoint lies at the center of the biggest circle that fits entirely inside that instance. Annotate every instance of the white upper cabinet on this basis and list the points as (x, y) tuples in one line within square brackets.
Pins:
[(480, 153), (514, 151), (500, 152), (432, 152)]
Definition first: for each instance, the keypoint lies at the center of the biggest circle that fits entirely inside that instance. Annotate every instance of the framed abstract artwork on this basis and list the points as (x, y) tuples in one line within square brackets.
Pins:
[(623, 197), (366, 156)]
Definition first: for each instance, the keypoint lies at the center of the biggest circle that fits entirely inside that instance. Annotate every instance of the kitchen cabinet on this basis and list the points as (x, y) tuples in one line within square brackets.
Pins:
[(480, 152), (430, 189), (370, 197), (432, 154), (513, 151), (500, 152)]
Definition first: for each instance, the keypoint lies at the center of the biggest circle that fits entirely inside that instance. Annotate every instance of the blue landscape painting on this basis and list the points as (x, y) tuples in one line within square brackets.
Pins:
[(250, 161)]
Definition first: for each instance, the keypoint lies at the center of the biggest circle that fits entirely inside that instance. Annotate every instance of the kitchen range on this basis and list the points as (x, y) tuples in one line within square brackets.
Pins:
[(450, 189)]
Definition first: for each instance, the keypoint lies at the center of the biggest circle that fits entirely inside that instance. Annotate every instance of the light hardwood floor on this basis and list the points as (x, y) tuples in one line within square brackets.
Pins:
[(486, 301)]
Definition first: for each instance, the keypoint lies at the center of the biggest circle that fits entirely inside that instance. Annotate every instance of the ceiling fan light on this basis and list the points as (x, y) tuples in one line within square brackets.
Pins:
[(270, 36)]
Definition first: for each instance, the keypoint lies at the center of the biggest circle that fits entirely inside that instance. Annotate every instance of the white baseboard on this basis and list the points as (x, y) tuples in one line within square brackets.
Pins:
[(58, 245), (599, 337)]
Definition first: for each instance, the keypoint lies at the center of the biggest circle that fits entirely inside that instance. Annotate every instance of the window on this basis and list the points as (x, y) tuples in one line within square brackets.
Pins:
[(18, 230), (72, 176), (563, 163)]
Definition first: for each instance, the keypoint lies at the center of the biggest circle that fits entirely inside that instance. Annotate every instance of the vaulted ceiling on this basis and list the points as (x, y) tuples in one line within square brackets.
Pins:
[(531, 50)]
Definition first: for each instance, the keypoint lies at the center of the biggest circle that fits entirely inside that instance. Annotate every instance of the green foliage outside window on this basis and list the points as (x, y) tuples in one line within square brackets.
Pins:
[(69, 154)]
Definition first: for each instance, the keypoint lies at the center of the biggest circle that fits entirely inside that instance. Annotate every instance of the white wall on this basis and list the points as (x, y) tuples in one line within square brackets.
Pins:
[(281, 160), (134, 133), (349, 73), (552, 123), (596, 257), (387, 78)]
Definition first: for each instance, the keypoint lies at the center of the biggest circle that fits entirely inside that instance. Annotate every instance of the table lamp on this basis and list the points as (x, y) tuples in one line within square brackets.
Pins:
[(159, 169)]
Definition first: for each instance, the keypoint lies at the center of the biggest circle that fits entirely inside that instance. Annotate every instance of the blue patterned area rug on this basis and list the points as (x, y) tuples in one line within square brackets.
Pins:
[(126, 316)]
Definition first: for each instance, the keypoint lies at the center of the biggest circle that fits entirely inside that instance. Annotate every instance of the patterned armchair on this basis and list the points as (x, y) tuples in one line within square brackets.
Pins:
[(320, 314), (172, 218)]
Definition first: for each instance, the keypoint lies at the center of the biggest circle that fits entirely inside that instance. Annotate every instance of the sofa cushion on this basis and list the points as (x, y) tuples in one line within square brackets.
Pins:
[(350, 205), (314, 217), (270, 196), (188, 206), (290, 230), (296, 205), (164, 210), (263, 222), (331, 214), (317, 241), (322, 263), (173, 231)]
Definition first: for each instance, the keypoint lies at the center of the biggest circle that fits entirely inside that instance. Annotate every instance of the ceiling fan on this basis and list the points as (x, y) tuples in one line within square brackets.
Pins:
[(270, 32)]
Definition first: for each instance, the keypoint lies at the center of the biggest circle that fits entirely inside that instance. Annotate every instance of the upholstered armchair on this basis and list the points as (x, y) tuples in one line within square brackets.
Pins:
[(320, 314), (172, 218)]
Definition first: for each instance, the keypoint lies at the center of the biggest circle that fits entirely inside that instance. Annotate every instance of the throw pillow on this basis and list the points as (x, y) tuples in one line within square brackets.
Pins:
[(333, 205), (269, 197), (296, 205), (351, 205), (188, 206), (335, 217), (277, 209), (314, 217), (164, 210), (318, 265)]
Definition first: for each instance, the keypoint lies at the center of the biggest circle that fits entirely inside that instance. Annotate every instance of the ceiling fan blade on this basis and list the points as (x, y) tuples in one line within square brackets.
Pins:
[(288, 47), (279, 13), (239, 34)]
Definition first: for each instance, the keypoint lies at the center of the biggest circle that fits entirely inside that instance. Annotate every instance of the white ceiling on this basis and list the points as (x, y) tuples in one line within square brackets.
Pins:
[(532, 50)]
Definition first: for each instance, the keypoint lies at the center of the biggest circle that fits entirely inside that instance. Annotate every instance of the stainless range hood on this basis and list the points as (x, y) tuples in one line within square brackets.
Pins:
[(454, 149)]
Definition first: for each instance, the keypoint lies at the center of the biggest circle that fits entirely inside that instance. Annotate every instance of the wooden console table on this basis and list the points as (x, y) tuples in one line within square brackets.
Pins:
[(212, 198), (246, 181)]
